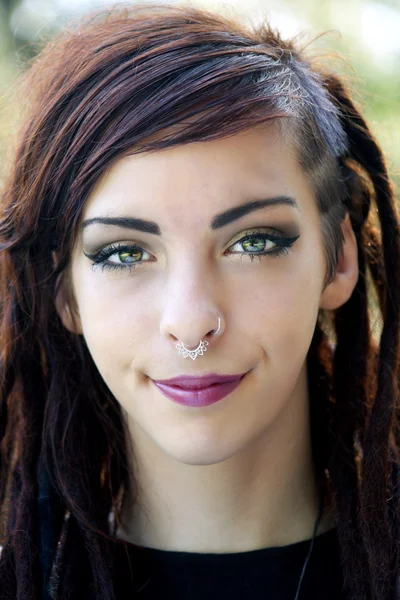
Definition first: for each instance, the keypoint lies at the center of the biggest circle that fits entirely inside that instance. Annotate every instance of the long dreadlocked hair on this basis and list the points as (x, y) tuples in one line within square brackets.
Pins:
[(113, 85)]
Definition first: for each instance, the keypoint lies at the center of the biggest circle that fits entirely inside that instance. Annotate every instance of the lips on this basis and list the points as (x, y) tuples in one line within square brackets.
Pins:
[(198, 391), (194, 382)]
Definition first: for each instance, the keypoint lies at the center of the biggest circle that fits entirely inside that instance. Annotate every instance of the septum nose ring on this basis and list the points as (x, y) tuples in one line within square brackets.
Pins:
[(201, 348)]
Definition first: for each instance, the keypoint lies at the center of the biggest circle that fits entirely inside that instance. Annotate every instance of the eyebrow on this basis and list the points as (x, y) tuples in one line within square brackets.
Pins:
[(220, 220)]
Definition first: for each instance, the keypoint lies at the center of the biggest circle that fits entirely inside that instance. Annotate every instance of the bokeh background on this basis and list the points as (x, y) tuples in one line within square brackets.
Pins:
[(361, 39)]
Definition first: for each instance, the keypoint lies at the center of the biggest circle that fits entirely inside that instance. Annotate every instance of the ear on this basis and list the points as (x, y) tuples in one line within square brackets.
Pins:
[(65, 303), (339, 290)]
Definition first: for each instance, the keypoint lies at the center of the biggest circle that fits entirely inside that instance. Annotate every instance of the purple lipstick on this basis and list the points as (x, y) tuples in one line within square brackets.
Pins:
[(198, 391)]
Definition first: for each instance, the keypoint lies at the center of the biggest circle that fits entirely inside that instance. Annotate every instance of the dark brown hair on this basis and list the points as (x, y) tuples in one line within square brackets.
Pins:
[(112, 86)]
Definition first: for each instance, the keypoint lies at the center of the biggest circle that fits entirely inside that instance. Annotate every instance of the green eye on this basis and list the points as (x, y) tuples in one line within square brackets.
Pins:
[(256, 244), (119, 256), (260, 243), (127, 257)]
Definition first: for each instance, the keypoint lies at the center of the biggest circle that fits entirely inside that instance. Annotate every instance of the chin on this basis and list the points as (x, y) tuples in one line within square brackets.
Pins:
[(199, 455)]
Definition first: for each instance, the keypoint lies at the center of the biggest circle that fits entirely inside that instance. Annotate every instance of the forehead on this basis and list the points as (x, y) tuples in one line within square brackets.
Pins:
[(200, 178)]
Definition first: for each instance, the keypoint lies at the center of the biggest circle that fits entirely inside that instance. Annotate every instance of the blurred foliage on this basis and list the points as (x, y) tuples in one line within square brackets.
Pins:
[(374, 75), (370, 66)]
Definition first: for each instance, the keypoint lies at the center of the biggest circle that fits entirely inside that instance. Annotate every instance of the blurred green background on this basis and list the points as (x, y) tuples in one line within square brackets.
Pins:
[(364, 33)]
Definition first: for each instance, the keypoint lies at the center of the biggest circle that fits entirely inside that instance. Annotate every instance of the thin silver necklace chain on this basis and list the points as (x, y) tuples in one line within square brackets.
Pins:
[(317, 521), (58, 561)]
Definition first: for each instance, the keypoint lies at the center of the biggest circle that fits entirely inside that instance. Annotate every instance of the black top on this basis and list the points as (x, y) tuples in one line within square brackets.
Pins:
[(266, 574)]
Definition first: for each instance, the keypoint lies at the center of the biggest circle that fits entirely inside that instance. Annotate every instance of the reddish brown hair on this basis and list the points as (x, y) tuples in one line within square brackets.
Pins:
[(113, 86)]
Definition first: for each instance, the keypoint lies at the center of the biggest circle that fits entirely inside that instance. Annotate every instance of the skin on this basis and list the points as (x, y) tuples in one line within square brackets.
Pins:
[(236, 475)]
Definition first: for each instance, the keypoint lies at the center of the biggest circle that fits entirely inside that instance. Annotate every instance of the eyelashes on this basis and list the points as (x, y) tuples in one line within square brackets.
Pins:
[(100, 258), (267, 245)]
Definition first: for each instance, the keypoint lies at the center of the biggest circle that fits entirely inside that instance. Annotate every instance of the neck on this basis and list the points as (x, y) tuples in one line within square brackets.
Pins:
[(266, 495)]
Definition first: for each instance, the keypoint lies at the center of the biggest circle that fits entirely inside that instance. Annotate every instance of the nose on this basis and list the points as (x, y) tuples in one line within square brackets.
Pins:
[(191, 332), (190, 315)]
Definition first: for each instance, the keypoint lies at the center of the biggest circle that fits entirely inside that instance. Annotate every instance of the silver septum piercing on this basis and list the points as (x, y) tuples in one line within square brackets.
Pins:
[(201, 348)]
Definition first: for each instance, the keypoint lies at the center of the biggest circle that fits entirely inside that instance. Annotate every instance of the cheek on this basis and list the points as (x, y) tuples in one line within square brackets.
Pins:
[(116, 319), (278, 307)]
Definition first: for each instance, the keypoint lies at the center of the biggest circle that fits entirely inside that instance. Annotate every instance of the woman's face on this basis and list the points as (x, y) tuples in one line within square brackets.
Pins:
[(193, 264)]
